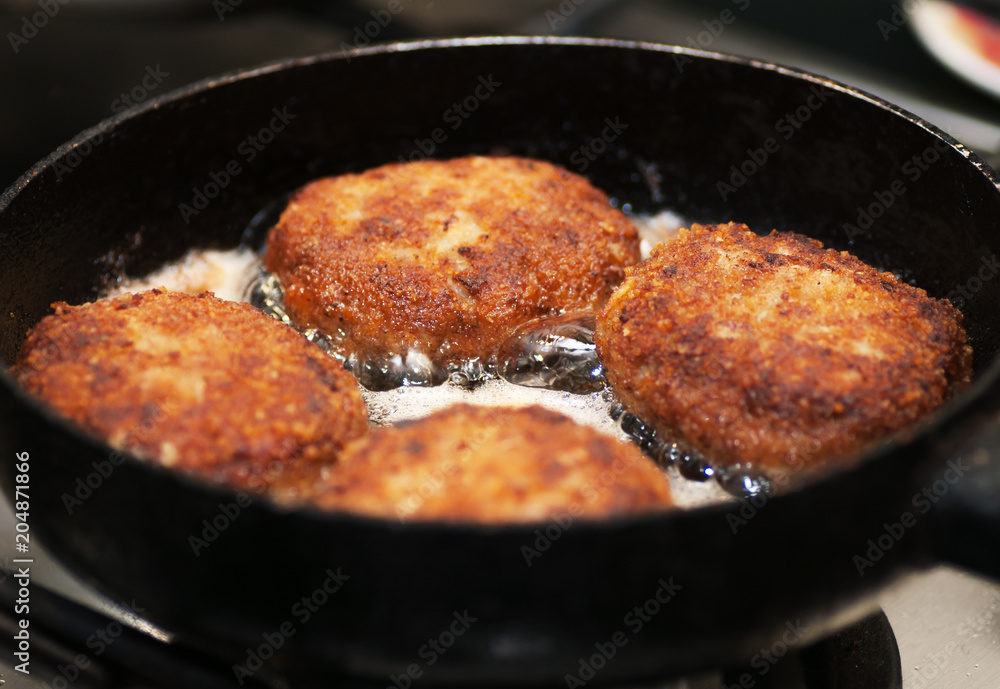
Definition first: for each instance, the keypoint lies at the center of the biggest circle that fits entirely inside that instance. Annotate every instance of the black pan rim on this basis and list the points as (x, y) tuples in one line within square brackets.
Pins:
[(985, 381), (108, 124)]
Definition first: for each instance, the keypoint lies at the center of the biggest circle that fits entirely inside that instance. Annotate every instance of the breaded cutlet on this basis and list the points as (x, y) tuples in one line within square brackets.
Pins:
[(774, 351), (489, 465), (446, 257), (206, 386)]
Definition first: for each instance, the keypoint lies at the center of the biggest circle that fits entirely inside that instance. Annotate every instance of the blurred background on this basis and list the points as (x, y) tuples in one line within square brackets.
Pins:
[(68, 64)]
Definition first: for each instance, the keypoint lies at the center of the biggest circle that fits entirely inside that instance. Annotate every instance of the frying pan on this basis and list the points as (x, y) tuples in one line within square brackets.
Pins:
[(656, 127)]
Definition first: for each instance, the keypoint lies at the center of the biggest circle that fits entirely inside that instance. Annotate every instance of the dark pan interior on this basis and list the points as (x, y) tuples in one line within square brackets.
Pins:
[(665, 130)]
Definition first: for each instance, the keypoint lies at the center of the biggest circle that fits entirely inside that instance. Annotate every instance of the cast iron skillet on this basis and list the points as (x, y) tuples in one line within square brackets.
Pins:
[(110, 201)]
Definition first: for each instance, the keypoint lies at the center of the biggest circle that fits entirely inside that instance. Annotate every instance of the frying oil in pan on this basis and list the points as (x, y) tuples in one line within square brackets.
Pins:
[(550, 362)]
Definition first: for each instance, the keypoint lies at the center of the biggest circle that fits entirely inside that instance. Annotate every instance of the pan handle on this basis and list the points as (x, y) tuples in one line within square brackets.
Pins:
[(964, 500)]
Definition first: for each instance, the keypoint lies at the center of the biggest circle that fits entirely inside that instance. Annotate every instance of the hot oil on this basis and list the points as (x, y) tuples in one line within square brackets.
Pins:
[(556, 353), (550, 362), (226, 273), (654, 229)]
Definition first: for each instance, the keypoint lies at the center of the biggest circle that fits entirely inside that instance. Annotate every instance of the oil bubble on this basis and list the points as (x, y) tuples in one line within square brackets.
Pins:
[(556, 352), (264, 292), (414, 369), (744, 481)]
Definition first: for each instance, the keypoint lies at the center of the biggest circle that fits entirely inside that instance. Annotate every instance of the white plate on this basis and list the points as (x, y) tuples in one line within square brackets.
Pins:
[(966, 41)]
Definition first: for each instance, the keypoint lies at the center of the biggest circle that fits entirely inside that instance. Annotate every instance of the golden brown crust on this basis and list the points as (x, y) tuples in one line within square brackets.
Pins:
[(775, 351), (489, 464), (446, 257), (211, 387)]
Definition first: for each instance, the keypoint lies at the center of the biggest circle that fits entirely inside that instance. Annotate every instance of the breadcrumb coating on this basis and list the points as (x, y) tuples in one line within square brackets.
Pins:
[(773, 351), (489, 464), (206, 386), (446, 257)]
